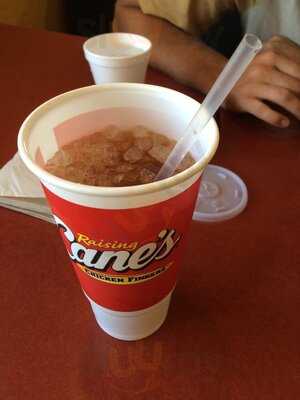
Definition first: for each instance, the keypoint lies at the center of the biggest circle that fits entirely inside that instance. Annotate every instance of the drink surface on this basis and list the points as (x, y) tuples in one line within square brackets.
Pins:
[(114, 157)]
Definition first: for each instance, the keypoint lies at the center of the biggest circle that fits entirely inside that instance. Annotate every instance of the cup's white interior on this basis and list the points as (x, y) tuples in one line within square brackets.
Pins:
[(83, 111), (117, 45)]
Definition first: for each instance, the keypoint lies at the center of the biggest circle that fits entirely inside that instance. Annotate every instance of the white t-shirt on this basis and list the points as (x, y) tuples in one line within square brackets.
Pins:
[(274, 17)]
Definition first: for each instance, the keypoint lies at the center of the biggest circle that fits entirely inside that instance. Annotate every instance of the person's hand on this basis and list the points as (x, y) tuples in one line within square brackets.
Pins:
[(273, 76)]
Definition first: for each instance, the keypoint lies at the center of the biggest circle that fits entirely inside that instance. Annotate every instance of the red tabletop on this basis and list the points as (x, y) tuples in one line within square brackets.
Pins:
[(232, 332)]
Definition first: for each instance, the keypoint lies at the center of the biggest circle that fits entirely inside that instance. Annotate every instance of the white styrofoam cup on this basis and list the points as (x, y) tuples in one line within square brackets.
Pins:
[(117, 57)]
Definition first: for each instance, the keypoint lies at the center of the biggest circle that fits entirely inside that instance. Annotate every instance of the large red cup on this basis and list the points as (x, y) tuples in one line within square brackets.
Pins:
[(125, 243)]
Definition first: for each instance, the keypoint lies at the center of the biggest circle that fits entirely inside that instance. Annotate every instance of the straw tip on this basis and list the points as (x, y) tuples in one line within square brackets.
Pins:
[(253, 41)]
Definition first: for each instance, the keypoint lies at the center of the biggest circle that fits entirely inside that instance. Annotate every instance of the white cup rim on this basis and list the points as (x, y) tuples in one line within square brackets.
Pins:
[(102, 59), (99, 190)]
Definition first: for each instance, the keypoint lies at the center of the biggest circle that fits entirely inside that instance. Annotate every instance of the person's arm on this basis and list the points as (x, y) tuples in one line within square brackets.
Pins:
[(174, 51), (273, 76)]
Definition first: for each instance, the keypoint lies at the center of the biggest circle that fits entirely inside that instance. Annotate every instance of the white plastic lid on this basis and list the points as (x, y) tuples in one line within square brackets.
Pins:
[(222, 195)]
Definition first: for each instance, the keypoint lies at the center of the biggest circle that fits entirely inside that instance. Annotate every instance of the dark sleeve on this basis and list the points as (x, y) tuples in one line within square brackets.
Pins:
[(225, 34)]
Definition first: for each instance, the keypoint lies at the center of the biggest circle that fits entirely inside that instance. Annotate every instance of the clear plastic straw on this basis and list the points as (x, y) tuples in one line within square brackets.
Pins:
[(239, 61)]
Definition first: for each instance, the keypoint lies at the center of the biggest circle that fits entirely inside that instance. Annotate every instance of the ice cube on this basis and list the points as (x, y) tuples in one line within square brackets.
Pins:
[(187, 162), (140, 131), (61, 158), (124, 167), (146, 175), (133, 154), (89, 175), (106, 154), (104, 180), (95, 138), (65, 158), (124, 145), (143, 143), (117, 179), (160, 152), (162, 140), (131, 178), (112, 132)]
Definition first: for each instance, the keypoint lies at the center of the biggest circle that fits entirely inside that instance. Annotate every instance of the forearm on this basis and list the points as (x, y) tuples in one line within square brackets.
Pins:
[(174, 51)]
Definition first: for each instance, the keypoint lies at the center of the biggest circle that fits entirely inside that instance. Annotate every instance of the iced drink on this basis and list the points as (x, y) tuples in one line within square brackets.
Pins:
[(114, 157)]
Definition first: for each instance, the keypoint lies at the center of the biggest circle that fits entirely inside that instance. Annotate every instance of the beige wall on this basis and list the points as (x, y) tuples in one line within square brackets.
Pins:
[(48, 14)]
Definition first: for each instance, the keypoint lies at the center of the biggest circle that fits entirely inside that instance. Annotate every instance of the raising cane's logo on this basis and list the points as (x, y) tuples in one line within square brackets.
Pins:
[(123, 259)]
